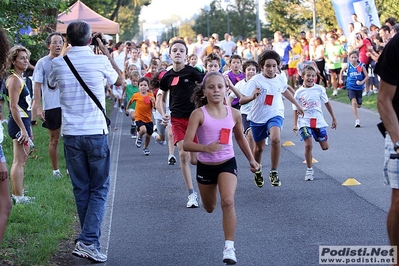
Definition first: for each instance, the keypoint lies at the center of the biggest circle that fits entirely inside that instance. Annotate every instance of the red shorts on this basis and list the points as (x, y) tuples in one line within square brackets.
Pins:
[(292, 72), (179, 128)]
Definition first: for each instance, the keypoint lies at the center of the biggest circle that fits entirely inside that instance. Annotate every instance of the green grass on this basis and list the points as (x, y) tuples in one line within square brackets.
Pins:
[(35, 231), (369, 102)]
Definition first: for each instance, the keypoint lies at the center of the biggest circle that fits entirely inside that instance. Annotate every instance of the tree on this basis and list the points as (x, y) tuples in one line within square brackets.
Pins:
[(17, 17), (287, 16)]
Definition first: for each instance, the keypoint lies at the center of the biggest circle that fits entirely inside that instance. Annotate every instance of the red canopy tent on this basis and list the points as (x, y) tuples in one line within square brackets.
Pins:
[(80, 11)]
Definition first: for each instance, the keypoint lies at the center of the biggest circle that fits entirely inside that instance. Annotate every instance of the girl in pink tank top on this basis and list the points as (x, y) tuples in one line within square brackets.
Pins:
[(214, 124)]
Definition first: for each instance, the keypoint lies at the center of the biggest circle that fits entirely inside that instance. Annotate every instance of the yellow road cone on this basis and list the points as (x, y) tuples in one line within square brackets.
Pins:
[(288, 143), (351, 182), (313, 161)]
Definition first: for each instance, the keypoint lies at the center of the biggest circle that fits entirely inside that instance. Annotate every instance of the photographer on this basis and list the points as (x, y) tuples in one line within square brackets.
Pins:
[(85, 130)]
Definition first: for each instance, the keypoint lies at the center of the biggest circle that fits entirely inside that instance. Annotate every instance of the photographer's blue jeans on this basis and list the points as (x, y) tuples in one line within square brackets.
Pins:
[(88, 163)]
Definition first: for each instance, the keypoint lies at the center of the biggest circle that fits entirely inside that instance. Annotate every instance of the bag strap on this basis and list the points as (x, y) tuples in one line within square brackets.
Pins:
[(85, 87)]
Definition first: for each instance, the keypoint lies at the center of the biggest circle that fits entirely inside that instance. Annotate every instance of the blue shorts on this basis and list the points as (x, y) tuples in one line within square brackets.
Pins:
[(262, 131), (319, 134), (357, 94)]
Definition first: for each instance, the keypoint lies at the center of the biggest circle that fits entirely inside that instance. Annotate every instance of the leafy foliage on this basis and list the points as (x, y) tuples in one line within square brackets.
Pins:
[(39, 15)]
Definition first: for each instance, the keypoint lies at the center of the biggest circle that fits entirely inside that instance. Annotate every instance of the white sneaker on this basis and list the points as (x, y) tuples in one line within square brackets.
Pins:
[(364, 93), (88, 252), (357, 123), (192, 200), (160, 142), (335, 93), (22, 199), (57, 173), (229, 256), (309, 175)]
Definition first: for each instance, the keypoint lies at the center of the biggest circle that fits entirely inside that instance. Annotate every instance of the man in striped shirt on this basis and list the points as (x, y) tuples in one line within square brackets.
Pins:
[(84, 131)]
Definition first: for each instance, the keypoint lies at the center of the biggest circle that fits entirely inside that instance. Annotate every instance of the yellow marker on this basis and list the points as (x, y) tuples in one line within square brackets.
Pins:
[(288, 143), (351, 182), (313, 161)]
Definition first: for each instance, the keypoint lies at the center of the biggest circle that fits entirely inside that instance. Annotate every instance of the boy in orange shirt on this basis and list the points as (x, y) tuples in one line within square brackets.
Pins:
[(145, 102)]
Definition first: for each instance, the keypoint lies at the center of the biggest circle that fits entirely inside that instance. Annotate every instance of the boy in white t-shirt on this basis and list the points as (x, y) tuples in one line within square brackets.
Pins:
[(310, 97), (267, 114)]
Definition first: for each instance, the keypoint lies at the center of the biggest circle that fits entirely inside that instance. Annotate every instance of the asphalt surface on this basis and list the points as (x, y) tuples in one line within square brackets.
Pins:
[(147, 223)]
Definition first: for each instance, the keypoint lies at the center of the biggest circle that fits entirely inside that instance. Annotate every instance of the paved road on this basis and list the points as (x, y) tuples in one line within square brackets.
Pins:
[(147, 222)]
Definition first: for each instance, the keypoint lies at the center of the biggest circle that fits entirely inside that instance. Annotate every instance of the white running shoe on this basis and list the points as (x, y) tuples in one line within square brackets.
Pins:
[(335, 93), (22, 199), (309, 175), (88, 252), (357, 123), (160, 142), (57, 173), (229, 256), (192, 200)]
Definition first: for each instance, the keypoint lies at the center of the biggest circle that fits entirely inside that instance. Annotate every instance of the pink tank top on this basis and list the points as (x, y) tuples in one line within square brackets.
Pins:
[(210, 131)]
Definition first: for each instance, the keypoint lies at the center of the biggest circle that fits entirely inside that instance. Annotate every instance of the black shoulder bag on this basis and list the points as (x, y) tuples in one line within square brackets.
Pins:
[(88, 91)]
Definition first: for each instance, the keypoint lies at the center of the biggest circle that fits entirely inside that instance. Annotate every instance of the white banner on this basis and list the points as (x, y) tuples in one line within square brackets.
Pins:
[(367, 13)]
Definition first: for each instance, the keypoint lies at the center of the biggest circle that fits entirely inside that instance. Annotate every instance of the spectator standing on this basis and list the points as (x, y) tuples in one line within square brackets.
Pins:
[(50, 112), (227, 45), (85, 132), (362, 42), (388, 107), (5, 200), (19, 122)]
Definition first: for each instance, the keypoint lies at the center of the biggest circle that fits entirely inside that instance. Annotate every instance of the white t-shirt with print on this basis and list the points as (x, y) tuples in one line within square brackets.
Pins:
[(271, 89), (311, 100)]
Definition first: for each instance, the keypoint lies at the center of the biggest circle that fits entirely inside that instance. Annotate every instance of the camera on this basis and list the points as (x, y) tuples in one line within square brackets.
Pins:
[(94, 39)]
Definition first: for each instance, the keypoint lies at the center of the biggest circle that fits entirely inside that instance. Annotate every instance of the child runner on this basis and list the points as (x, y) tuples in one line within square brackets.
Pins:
[(251, 68), (311, 96), (131, 89), (152, 69), (214, 123), (180, 81), (235, 75), (267, 114), (145, 102), (193, 61), (357, 77), (162, 128)]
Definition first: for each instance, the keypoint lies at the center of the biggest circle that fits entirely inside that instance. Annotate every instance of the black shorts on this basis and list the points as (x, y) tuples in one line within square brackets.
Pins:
[(357, 94), (148, 126), (13, 128), (284, 67), (336, 71), (208, 174), (52, 119)]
